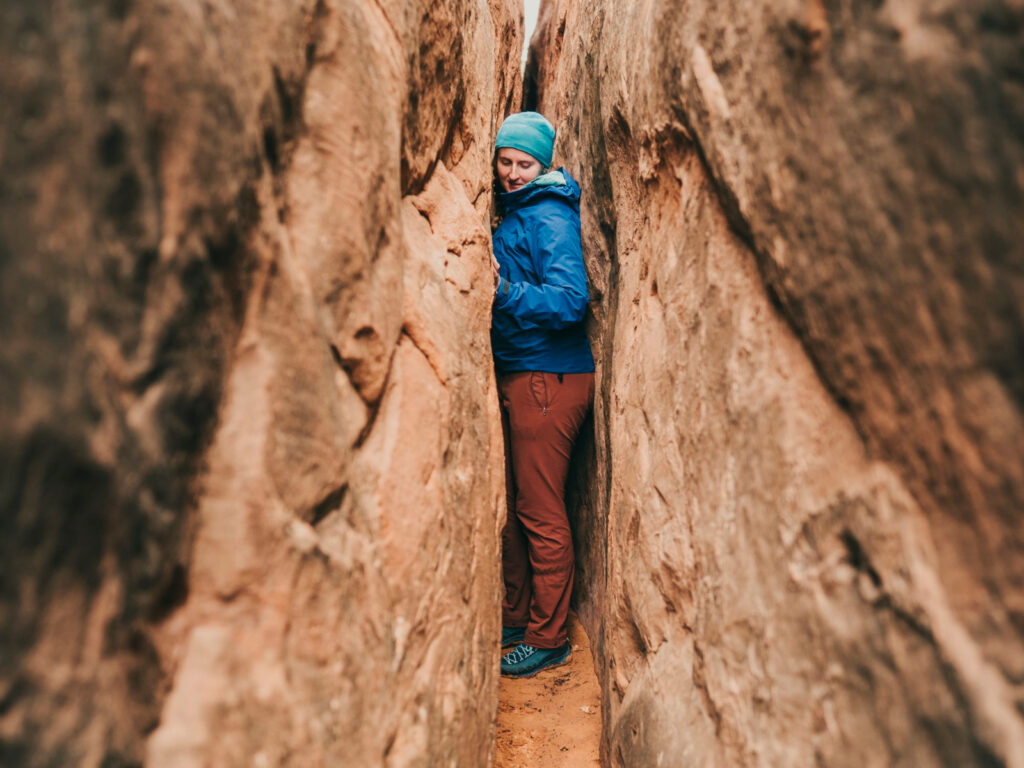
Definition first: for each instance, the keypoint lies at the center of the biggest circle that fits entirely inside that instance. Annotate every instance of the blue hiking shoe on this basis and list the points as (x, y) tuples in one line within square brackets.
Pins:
[(526, 661), (512, 636)]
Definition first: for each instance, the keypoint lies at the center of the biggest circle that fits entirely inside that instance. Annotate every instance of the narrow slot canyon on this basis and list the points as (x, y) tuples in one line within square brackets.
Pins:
[(252, 479)]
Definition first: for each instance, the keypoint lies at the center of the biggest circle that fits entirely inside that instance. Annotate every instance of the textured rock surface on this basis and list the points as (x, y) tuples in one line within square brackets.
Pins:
[(803, 224), (250, 478)]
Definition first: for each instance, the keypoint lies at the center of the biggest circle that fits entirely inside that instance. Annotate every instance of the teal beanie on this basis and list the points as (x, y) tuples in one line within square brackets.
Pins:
[(529, 132)]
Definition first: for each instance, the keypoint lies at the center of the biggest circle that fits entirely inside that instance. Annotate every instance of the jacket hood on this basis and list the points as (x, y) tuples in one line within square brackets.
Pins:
[(558, 184)]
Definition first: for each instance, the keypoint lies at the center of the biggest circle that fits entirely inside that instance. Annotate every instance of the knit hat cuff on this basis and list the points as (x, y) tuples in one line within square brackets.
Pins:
[(528, 132)]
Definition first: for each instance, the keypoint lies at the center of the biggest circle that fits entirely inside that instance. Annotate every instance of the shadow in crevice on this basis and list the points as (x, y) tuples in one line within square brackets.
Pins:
[(583, 504)]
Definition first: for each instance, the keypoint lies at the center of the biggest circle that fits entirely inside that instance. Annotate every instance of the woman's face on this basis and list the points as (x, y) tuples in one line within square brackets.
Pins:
[(516, 168)]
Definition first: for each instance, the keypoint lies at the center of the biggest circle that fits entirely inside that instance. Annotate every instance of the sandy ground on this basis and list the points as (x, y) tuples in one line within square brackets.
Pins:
[(554, 717)]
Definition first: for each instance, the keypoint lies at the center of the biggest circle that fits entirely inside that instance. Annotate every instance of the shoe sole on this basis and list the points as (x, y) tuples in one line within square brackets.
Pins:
[(541, 668)]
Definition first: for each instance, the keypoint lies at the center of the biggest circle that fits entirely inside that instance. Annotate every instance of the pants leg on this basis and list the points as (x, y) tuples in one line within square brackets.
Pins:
[(545, 412), (515, 555)]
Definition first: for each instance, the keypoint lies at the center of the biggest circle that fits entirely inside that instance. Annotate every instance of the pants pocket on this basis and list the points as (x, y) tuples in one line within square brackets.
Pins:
[(539, 389)]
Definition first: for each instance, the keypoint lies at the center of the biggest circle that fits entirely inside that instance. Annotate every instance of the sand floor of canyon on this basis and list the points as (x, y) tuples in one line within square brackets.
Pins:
[(554, 717)]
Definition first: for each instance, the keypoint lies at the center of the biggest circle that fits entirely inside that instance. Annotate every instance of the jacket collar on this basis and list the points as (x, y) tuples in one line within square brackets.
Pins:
[(551, 184)]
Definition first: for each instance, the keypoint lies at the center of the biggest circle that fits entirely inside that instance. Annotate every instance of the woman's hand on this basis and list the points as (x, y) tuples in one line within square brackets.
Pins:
[(495, 266)]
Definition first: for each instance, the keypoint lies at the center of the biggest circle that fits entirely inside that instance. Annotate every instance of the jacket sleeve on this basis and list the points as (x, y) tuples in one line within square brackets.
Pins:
[(560, 300)]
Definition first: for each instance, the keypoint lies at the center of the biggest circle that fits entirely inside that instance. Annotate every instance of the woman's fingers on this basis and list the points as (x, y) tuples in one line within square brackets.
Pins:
[(495, 266)]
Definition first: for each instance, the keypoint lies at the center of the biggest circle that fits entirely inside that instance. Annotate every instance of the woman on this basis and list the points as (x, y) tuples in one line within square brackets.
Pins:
[(545, 381)]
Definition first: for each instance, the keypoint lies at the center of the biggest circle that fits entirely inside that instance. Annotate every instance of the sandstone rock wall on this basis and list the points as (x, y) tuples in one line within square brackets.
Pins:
[(802, 223), (250, 460)]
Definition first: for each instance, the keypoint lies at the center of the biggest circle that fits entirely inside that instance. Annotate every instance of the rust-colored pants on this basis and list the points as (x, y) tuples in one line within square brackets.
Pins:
[(542, 414)]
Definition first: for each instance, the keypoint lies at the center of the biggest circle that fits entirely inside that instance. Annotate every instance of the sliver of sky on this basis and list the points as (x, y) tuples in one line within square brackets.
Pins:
[(530, 10)]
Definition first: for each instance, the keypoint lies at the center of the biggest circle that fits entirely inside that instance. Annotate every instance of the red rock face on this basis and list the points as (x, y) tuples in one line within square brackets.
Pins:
[(250, 463), (799, 518)]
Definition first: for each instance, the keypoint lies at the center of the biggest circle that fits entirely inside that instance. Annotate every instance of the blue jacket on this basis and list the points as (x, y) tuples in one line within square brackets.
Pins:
[(537, 322)]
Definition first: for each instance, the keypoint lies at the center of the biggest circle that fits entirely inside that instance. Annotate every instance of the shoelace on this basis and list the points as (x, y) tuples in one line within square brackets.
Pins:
[(520, 653)]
